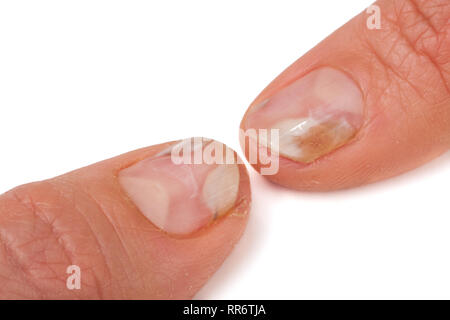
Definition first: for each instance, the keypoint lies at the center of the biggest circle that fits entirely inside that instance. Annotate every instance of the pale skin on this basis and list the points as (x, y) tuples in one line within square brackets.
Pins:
[(84, 217)]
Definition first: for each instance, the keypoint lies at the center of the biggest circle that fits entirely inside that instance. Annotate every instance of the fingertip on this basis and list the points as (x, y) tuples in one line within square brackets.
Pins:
[(362, 106)]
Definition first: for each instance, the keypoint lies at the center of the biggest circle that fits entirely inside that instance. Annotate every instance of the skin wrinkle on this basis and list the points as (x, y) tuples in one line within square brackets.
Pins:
[(97, 281), (389, 75), (441, 34), (404, 107), (29, 204), (396, 29), (122, 244), (54, 233), (73, 255), (425, 18), (13, 256), (424, 49), (384, 85), (13, 262), (393, 69)]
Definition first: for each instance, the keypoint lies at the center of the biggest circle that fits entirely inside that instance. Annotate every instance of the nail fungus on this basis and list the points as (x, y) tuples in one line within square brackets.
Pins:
[(179, 190), (315, 115)]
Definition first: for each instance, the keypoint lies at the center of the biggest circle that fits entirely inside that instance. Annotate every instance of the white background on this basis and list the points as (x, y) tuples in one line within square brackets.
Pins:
[(81, 81)]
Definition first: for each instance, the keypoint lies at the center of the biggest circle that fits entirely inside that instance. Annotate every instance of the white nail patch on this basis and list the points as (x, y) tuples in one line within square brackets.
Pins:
[(221, 188)]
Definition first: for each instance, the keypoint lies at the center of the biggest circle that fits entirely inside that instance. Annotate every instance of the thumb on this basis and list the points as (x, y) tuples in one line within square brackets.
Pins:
[(364, 105), (137, 226)]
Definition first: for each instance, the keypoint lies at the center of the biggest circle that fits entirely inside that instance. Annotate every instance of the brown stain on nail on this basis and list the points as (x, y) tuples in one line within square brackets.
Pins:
[(323, 138)]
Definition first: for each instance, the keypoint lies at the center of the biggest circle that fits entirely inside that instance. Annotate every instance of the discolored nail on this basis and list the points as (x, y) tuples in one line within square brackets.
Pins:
[(179, 190), (315, 115)]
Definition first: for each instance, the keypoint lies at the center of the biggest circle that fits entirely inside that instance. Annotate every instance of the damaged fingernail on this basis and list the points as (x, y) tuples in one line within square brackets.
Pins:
[(186, 186), (315, 115)]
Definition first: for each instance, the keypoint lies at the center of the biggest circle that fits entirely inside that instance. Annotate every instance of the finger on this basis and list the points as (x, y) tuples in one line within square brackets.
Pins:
[(364, 105), (145, 224)]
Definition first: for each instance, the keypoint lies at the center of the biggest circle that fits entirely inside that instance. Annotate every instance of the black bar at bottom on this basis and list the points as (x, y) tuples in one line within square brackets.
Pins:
[(225, 309)]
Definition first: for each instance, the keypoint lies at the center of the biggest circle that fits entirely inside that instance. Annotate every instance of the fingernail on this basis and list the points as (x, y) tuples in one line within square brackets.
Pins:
[(315, 115), (179, 189)]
